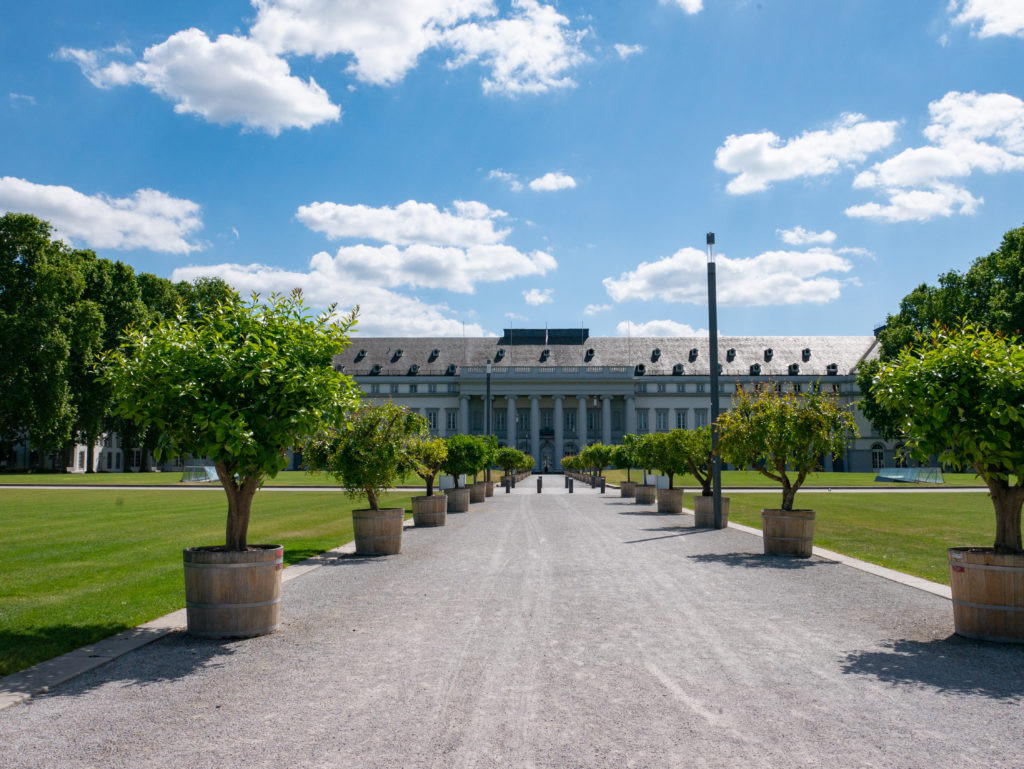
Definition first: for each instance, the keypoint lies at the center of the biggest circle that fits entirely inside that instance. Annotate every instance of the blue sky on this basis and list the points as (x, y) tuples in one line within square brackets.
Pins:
[(462, 166)]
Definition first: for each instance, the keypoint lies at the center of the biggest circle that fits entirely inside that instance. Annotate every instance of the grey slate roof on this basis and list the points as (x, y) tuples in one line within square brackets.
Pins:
[(844, 351)]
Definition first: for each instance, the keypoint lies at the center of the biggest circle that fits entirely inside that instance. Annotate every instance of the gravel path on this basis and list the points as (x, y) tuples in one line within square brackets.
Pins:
[(555, 630)]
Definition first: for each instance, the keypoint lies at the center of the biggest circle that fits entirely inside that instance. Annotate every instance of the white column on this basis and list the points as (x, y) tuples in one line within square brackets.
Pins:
[(464, 414), (581, 420), (535, 430), (559, 431), (606, 420), (631, 414), (510, 423)]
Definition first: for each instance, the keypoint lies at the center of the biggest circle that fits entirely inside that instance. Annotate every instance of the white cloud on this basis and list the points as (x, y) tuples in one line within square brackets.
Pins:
[(227, 80), (531, 52), (382, 312), (593, 309), (690, 6), (968, 132), (758, 159), (625, 51), (798, 236), (552, 181), (472, 223), (536, 296), (510, 179), (147, 219), (423, 246), (658, 328), (989, 18), (21, 98), (385, 38), (773, 278)]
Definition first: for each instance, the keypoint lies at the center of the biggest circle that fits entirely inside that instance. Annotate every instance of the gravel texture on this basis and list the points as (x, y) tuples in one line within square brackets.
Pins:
[(555, 630)]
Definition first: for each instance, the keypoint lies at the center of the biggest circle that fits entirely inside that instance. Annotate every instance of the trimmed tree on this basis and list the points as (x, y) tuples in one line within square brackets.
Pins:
[(624, 456), (645, 453), (466, 456), (508, 459), (784, 435), (700, 457), (596, 457), (960, 395), (428, 455), (671, 453), (241, 384), (369, 451)]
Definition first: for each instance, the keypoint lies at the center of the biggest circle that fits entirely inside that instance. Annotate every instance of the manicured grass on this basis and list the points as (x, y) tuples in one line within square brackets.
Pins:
[(906, 532), (741, 479), (80, 565)]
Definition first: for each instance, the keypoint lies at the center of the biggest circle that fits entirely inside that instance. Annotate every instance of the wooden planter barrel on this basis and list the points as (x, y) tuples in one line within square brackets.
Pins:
[(627, 489), (477, 492), (489, 488), (704, 512), (429, 511), (233, 594), (788, 532), (645, 494), (378, 532), (458, 500), (670, 501), (988, 594)]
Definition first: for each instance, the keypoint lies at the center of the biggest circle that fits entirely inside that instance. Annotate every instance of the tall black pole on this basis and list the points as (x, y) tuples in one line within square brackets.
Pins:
[(487, 412), (716, 462)]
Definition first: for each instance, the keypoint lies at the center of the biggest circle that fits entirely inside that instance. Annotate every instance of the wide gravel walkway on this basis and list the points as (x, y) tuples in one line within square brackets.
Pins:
[(555, 630)]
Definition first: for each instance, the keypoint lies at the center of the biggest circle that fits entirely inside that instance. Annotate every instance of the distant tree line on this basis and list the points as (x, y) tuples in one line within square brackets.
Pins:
[(60, 308)]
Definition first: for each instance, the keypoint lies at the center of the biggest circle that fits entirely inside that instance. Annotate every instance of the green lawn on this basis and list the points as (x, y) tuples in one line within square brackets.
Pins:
[(741, 479), (906, 532), (78, 565)]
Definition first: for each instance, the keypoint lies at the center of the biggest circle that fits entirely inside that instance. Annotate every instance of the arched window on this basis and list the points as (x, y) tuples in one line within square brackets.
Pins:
[(877, 456)]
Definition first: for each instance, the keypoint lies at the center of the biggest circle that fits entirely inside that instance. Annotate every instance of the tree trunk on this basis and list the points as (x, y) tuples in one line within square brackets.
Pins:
[(788, 496), (240, 494), (371, 497), (1007, 501), (90, 454)]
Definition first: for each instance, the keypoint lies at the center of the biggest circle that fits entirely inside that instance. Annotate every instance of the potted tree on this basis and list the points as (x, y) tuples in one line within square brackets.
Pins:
[(960, 396), (700, 459), (596, 457), (624, 458), (488, 445), (671, 454), (429, 455), (508, 459), (645, 453), (492, 453), (465, 457), (780, 434), (240, 384), (526, 466)]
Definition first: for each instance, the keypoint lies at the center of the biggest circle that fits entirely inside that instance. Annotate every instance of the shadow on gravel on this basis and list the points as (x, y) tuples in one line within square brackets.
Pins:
[(759, 561), (644, 512), (170, 658), (955, 664), (351, 559), (675, 531)]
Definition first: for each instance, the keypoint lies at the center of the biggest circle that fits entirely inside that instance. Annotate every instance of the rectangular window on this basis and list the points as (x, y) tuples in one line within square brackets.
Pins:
[(413, 389), (81, 460), (641, 387), (431, 388), (453, 388), (570, 421), (374, 389), (797, 387), (523, 421), (700, 387), (394, 389), (661, 388), (661, 420), (477, 420), (137, 458), (110, 461), (681, 419), (432, 420), (835, 388), (641, 421), (451, 421), (616, 420), (498, 418), (700, 417), (117, 462), (594, 420), (680, 387)]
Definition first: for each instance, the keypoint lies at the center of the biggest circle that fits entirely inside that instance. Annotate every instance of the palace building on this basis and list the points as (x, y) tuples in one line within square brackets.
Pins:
[(556, 391)]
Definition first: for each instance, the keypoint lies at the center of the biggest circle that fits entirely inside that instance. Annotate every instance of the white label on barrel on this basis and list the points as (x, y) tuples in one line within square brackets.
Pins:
[(956, 556)]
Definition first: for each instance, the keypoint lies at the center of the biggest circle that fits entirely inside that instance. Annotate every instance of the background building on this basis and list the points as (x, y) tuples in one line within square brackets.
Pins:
[(555, 391)]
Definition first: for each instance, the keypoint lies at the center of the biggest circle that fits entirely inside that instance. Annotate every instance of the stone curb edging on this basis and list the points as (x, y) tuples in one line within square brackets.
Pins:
[(41, 677)]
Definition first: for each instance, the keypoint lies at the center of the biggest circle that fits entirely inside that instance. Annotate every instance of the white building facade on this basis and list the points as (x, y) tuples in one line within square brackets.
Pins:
[(555, 391)]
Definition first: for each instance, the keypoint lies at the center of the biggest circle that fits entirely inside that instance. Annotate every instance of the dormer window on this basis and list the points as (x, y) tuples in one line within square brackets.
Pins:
[(544, 355), (397, 354), (433, 355), (499, 354), (768, 353), (360, 355), (730, 354), (375, 370), (640, 369), (677, 370), (794, 369), (693, 354), (655, 354), (806, 354), (832, 369), (414, 370), (589, 355), (755, 369)]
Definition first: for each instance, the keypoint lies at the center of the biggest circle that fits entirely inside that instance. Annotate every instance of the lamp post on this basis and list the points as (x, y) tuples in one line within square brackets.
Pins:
[(487, 412), (716, 462)]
